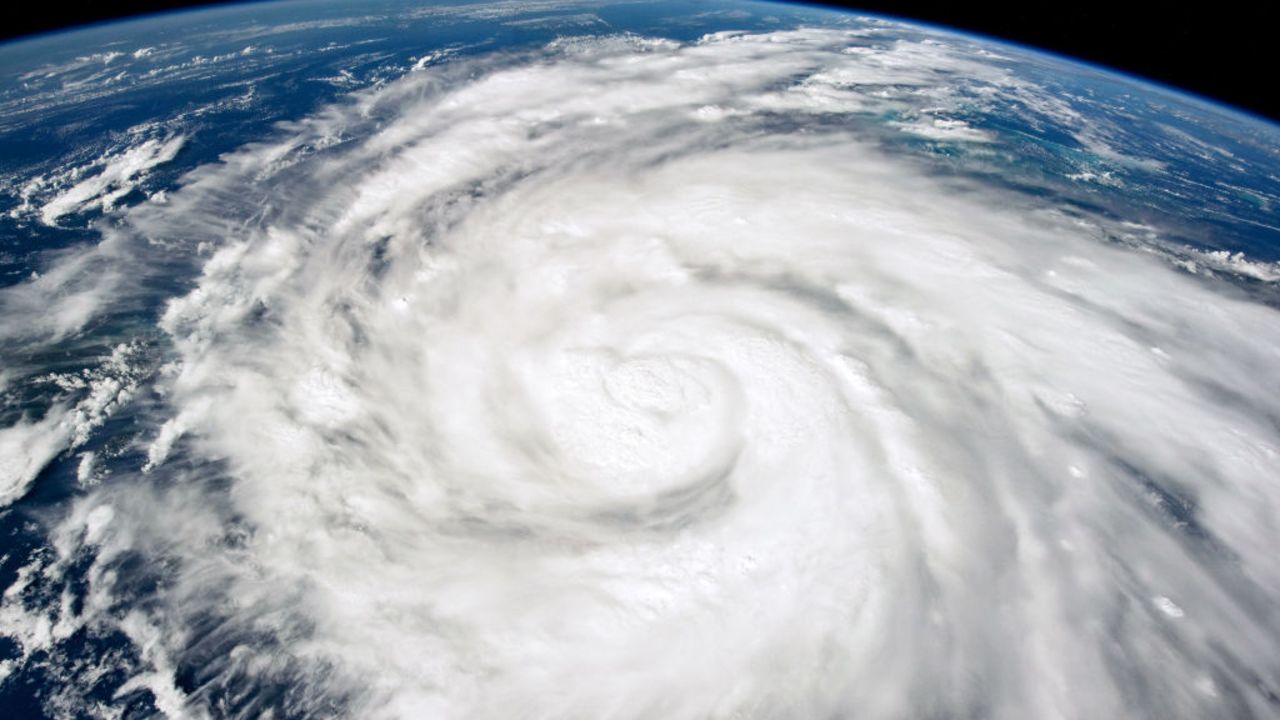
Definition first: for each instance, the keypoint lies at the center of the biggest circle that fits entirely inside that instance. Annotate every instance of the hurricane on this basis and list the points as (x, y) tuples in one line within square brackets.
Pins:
[(624, 377)]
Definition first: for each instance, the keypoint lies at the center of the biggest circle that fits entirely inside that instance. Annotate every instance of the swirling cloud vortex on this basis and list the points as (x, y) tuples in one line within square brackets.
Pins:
[(617, 381)]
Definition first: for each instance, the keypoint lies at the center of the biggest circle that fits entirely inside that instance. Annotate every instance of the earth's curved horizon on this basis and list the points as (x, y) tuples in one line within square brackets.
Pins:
[(628, 360)]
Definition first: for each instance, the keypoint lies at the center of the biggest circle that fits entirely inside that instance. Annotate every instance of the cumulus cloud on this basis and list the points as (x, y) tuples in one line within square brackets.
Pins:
[(531, 387), (103, 183), (27, 446)]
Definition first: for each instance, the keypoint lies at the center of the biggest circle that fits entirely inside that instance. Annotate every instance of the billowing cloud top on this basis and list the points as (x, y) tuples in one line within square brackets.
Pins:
[(627, 378)]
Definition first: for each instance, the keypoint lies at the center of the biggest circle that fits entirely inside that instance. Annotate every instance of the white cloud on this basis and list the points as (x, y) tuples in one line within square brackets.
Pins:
[(25, 448), (119, 175), (1234, 263), (682, 418)]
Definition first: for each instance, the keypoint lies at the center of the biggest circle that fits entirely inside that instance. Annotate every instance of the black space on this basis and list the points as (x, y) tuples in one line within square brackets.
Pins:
[(1224, 51)]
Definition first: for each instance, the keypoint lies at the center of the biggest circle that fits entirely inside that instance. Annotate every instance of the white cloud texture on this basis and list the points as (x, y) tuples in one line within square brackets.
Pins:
[(118, 176), (609, 383)]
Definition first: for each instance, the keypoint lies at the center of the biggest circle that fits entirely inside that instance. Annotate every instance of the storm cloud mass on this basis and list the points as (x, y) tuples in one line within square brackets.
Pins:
[(614, 379)]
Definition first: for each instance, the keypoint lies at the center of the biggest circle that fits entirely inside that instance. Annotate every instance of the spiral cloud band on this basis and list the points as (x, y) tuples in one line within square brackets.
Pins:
[(615, 380)]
